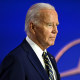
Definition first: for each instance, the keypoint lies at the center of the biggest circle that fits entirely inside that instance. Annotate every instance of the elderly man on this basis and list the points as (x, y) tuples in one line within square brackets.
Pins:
[(30, 60)]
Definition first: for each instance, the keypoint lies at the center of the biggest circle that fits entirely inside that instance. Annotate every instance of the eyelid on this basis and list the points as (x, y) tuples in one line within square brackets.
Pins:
[(50, 24)]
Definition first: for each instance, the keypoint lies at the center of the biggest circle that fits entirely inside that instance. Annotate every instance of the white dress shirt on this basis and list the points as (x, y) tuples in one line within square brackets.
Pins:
[(38, 51)]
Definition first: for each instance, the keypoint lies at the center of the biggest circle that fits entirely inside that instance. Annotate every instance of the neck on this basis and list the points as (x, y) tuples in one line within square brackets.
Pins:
[(36, 42)]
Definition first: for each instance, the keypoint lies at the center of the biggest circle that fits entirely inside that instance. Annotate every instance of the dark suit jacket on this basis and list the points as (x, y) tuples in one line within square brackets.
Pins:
[(23, 64)]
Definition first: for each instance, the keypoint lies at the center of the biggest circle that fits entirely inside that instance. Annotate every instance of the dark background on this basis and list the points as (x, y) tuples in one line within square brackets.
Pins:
[(12, 23)]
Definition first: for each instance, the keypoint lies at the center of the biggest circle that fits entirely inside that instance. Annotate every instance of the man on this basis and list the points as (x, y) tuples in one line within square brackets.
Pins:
[(27, 61)]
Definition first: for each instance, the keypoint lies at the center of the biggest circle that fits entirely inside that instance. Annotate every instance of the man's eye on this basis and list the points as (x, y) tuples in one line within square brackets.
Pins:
[(49, 24)]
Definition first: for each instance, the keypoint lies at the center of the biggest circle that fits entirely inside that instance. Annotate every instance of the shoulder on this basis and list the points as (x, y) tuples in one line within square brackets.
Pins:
[(8, 62), (13, 58), (11, 67)]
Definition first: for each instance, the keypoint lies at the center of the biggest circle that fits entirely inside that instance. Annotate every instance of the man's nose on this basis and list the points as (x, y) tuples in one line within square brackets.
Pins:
[(55, 30)]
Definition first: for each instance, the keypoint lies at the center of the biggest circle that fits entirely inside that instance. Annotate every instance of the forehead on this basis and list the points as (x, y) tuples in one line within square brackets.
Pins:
[(48, 11), (48, 15)]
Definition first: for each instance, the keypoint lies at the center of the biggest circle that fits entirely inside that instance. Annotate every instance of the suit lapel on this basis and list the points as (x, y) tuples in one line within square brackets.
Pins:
[(34, 60), (38, 66)]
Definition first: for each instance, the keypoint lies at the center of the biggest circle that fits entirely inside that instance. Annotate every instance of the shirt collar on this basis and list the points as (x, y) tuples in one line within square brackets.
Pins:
[(35, 47)]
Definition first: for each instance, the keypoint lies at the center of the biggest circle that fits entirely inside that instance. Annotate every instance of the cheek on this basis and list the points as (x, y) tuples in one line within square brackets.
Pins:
[(43, 34), (40, 35), (46, 36)]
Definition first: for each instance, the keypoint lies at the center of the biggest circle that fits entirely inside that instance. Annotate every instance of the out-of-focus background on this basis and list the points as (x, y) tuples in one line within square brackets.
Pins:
[(12, 23)]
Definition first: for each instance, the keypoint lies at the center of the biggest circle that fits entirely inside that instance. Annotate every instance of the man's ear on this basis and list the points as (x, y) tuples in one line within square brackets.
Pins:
[(32, 27)]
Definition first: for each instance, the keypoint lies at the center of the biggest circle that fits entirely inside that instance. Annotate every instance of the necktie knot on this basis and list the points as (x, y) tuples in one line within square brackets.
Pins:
[(44, 54)]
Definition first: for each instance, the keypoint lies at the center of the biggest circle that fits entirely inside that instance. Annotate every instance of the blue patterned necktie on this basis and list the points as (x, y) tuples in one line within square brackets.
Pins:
[(48, 66)]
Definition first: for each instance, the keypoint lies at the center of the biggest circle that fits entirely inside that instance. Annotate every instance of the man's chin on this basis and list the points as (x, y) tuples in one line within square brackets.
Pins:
[(51, 44)]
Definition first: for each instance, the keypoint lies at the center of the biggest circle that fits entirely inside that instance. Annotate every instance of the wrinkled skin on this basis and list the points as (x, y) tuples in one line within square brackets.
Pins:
[(44, 34)]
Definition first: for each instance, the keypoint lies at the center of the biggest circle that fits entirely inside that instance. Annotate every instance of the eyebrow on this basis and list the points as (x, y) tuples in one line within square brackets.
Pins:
[(52, 23)]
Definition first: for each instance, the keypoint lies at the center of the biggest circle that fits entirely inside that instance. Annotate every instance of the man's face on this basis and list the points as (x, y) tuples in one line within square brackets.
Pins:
[(46, 30)]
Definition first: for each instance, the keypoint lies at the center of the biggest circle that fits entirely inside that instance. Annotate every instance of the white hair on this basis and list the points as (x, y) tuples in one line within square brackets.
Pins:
[(33, 13)]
